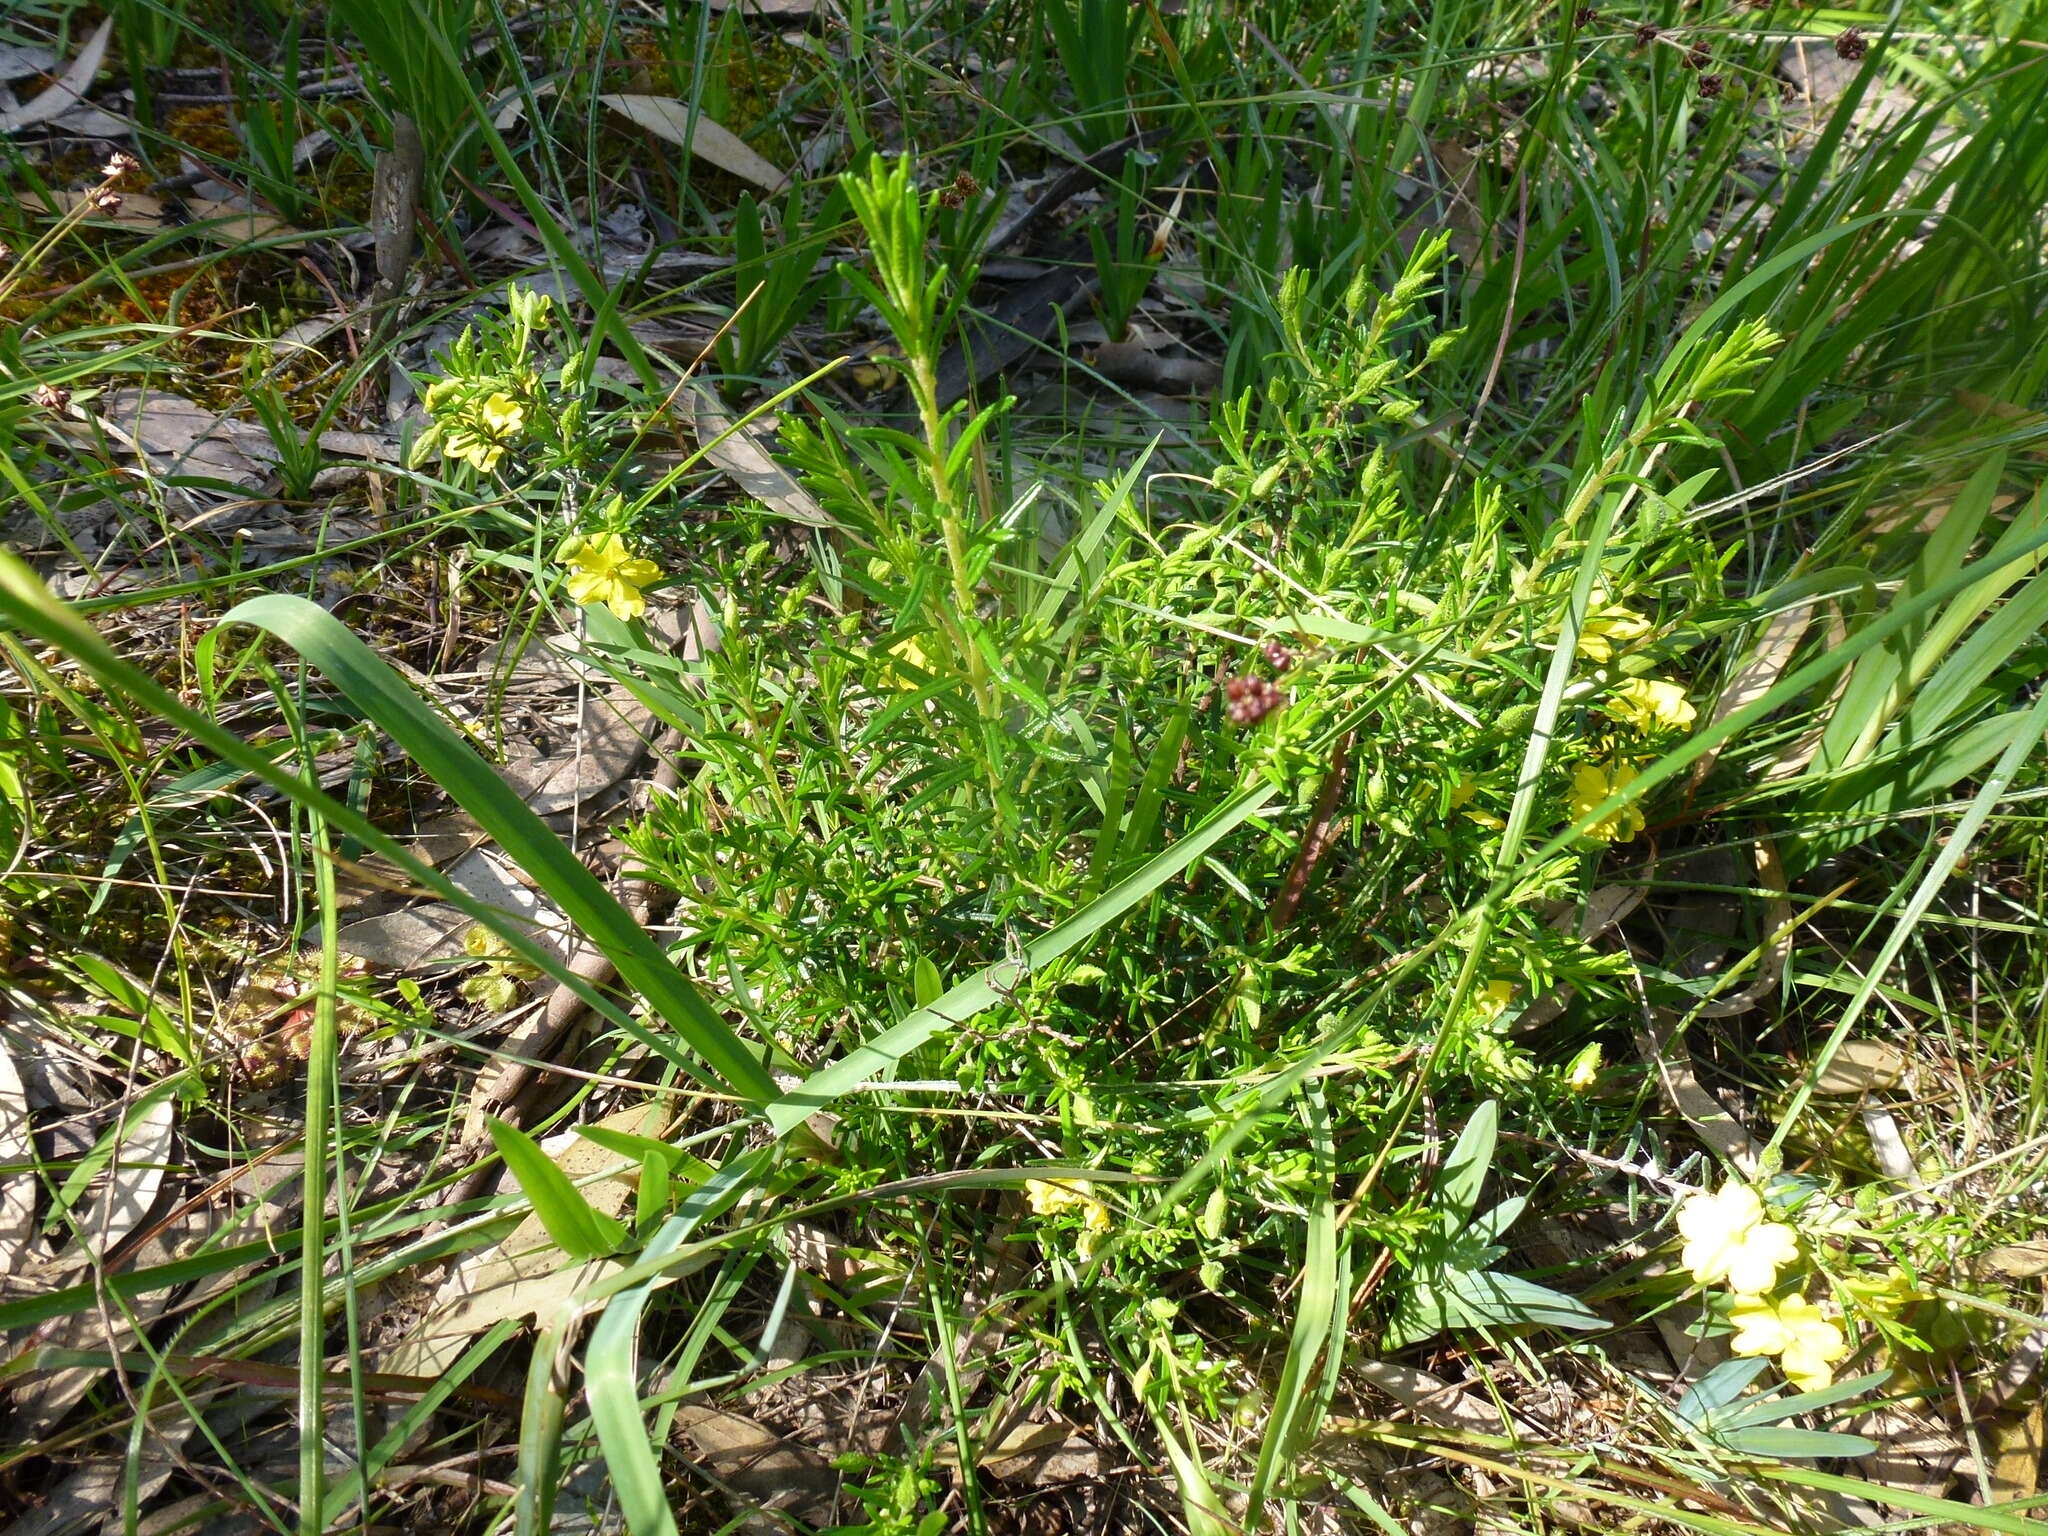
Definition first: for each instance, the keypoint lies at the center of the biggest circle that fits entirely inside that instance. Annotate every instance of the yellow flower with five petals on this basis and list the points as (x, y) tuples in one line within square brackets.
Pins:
[(1048, 1197), (1805, 1340), (607, 572), (1610, 628), (1727, 1239)]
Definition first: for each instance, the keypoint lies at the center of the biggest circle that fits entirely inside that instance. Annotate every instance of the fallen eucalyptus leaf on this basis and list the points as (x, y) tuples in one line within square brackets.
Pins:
[(740, 452), (68, 89), (667, 118)]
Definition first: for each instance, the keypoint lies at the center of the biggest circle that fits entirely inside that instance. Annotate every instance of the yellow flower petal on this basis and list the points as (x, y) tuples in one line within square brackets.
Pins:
[(1593, 783), (1806, 1340), (1729, 1241), (605, 571), (1610, 628), (1650, 704), (502, 415)]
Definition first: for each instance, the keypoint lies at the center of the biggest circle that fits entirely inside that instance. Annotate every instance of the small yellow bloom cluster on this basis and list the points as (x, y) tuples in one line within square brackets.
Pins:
[(475, 431), (1048, 1197), (1593, 783), (484, 404), (604, 570), (1650, 705), (1729, 1240)]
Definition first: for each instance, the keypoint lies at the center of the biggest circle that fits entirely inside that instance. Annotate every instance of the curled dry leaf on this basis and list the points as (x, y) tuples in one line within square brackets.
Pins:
[(737, 449), (68, 90), (667, 118), (1756, 676)]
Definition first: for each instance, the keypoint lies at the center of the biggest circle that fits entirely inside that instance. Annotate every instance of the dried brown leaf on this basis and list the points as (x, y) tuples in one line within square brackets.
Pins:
[(193, 439), (1860, 1067), (667, 118), (759, 1465), (1756, 676), (739, 450), (609, 738), (68, 90)]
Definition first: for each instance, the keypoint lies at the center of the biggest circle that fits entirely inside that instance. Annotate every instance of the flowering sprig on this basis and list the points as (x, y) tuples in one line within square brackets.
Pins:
[(489, 399)]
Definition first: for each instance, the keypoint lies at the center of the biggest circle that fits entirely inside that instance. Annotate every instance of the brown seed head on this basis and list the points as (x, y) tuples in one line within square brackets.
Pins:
[(1711, 86), (51, 397), (1647, 34), (1851, 44)]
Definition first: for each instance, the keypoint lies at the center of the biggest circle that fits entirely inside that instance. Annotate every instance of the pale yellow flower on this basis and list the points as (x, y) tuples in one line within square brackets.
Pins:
[(1048, 1197), (1806, 1341), (1609, 629), (1584, 1071), (1650, 704), (1593, 783), (1492, 1000), (502, 415), (472, 448), (609, 573), (1728, 1240)]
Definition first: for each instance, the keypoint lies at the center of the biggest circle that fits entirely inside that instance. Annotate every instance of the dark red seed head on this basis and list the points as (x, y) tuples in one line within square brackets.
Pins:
[(1851, 44)]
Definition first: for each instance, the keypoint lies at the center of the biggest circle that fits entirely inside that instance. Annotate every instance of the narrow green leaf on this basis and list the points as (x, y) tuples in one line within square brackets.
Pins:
[(579, 1229), (984, 989), (1464, 1173)]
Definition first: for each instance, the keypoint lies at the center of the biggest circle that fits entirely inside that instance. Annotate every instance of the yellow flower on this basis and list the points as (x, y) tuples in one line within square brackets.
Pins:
[(1728, 1239), (1591, 784), (473, 449), (1584, 1071), (912, 654), (1491, 1001), (502, 415), (1609, 629), (1049, 1198), (1805, 1340), (607, 572), (1650, 704)]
